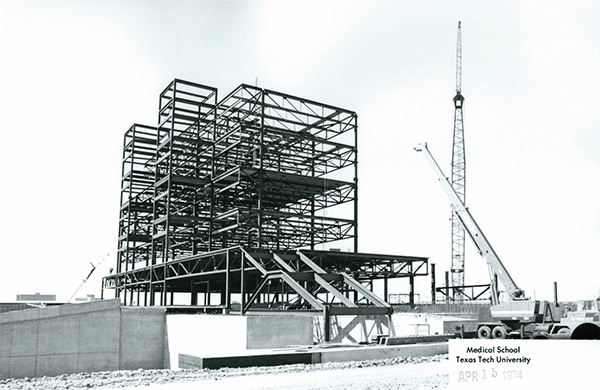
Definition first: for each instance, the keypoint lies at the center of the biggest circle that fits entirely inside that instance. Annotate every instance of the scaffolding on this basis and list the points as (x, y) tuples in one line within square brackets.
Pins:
[(228, 206)]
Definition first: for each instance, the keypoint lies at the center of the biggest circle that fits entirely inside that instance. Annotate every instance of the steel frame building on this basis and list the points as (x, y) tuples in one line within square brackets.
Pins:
[(228, 201)]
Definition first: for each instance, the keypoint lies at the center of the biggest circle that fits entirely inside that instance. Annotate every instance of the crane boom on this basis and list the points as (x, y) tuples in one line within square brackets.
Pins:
[(481, 242), (458, 61), (458, 175)]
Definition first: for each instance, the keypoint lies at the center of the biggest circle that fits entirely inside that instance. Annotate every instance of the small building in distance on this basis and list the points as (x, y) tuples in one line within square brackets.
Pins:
[(29, 301), (37, 297), (87, 298)]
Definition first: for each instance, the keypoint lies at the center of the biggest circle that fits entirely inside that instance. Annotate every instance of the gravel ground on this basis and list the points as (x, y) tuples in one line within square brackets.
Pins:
[(399, 373)]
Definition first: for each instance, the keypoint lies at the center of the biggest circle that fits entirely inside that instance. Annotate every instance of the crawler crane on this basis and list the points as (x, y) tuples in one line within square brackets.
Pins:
[(518, 316)]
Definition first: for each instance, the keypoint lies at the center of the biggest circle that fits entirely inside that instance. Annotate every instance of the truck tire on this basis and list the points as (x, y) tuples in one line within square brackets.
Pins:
[(484, 332), (499, 332), (586, 331)]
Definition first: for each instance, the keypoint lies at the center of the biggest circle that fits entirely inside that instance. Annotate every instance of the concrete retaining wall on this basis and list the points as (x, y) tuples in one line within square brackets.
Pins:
[(278, 331), (94, 336), (103, 336), (143, 340), (469, 310)]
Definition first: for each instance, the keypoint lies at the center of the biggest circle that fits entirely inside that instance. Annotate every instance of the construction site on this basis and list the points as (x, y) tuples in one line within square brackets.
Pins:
[(238, 245), (232, 215)]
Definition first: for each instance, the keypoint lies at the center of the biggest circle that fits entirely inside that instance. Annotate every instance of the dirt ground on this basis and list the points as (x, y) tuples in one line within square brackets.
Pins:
[(399, 373)]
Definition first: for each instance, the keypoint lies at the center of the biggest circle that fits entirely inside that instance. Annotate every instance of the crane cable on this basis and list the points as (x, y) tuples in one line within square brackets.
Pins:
[(84, 281)]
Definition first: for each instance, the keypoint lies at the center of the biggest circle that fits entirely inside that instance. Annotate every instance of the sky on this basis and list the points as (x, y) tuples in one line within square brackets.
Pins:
[(74, 76)]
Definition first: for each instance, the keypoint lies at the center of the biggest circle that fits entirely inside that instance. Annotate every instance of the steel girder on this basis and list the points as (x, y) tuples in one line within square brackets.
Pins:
[(272, 280)]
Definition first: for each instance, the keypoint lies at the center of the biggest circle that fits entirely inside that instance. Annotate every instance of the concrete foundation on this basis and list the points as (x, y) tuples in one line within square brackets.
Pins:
[(95, 336), (311, 356), (104, 336), (255, 360), (382, 352)]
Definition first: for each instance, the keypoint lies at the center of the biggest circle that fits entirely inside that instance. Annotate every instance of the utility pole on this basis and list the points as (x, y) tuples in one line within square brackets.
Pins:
[(458, 177)]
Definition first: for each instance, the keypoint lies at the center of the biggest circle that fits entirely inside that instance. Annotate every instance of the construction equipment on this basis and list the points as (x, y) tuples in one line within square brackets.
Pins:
[(517, 316), (84, 281), (584, 322), (458, 176)]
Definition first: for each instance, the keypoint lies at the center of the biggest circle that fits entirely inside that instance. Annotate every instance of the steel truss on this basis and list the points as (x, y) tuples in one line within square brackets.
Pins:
[(224, 272), (461, 293)]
